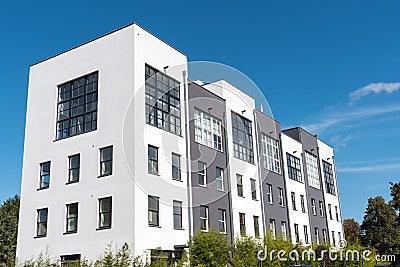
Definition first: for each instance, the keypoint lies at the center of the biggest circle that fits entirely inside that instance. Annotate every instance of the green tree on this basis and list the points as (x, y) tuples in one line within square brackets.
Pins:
[(115, 257), (245, 252), (9, 212), (209, 249), (379, 226), (352, 231)]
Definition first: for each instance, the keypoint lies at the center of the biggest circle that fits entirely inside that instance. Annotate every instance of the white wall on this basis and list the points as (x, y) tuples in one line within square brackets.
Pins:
[(326, 154), (237, 101), (289, 145)]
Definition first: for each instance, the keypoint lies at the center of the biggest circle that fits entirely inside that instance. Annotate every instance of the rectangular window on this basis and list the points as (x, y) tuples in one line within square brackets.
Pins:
[(219, 177), (204, 222), (177, 214), (281, 198), (72, 218), (239, 179), (270, 153), (253, 189), (152, 159), (284, 230), (41, 227), (242, 138), (294, 168), (162, 101), (77, 106), (293, 197), (337, 213), (256, 227), (316, 233), (330, 211), (306, 240), (153, 203), (242, 223), (321, 208), (333, 239), (324, 236), (44, 175), (272, 228), (105, 210), (314, 209), (106, 161), (302, 203), (176, 166), (329, 181), (202, 168), (312, 170), (269, 194), (207, 130), (74, 167), (222, 221), (70, 260), (339, 236), (296, 232)]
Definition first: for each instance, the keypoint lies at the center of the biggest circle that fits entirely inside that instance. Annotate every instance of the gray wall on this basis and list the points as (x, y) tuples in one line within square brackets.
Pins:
[(208, 102), (268, 126)]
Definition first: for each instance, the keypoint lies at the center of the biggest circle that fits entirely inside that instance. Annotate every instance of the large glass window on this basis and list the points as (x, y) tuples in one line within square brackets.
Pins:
[(152, 159), (177, 214), (312, 170), (162, 101), (41, 228), (242, 138), (294, 169), (154, 210), (207, 130), (222, 221), (271, 155), (72, 218), (329, 181), (204, 223), (74, 166), (105, 210), (77, 106), (106, 159), (44, 175)]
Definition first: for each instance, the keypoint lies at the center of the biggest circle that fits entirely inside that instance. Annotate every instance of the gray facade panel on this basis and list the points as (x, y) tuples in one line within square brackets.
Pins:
[(207, 102)]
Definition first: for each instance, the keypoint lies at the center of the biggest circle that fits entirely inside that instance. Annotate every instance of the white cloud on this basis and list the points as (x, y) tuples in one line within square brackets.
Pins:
[(338, 118), (375, 88), (371, 168), (339, 141)]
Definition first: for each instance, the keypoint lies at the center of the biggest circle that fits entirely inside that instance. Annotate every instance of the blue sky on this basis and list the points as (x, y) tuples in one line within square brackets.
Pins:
[(330, 66)]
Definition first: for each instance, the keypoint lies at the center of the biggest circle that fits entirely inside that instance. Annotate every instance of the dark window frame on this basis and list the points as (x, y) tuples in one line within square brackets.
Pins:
[(42, 224), (153, 210), (293, 199), (239, 185), (152, 163), (253, 188), (242, 138), (77, 104), (105, 163), (70, 260), (73, 169), (329, 179), (242, 224), (176, 168), (256, 226), (45, 175), (177, 212), (103, 213), (294, 168), (73, 217)]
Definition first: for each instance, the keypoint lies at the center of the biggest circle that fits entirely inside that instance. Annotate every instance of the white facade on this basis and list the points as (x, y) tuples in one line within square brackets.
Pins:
[(242, 104), (291, 146)]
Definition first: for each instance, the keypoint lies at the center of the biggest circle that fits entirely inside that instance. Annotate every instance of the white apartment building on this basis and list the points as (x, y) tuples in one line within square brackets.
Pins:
[(121, 147)]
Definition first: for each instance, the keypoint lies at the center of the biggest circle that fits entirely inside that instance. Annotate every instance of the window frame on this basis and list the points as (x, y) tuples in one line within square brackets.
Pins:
[(271, 153), (102, 212), (219, 179), (296, 232), (294, 168), (281, 197), (327, 169), (284, 230), (272, 227), (212, 129), (330, 211), (202, 172), (313, 175), (72, 169), (270, 196), (253, 188), (222, 221), (104, 162), (177, 214), (177, 168), (44, 176), (256, 226), (86, 115), (242, 129), (302, 204), (242, 223), (69, 217), (239, 185), (40, 223), (321, 209), (306, 237), (152, 163), (293, 199), (205, 218), (152, 211), (337, 213), (313, 207)]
